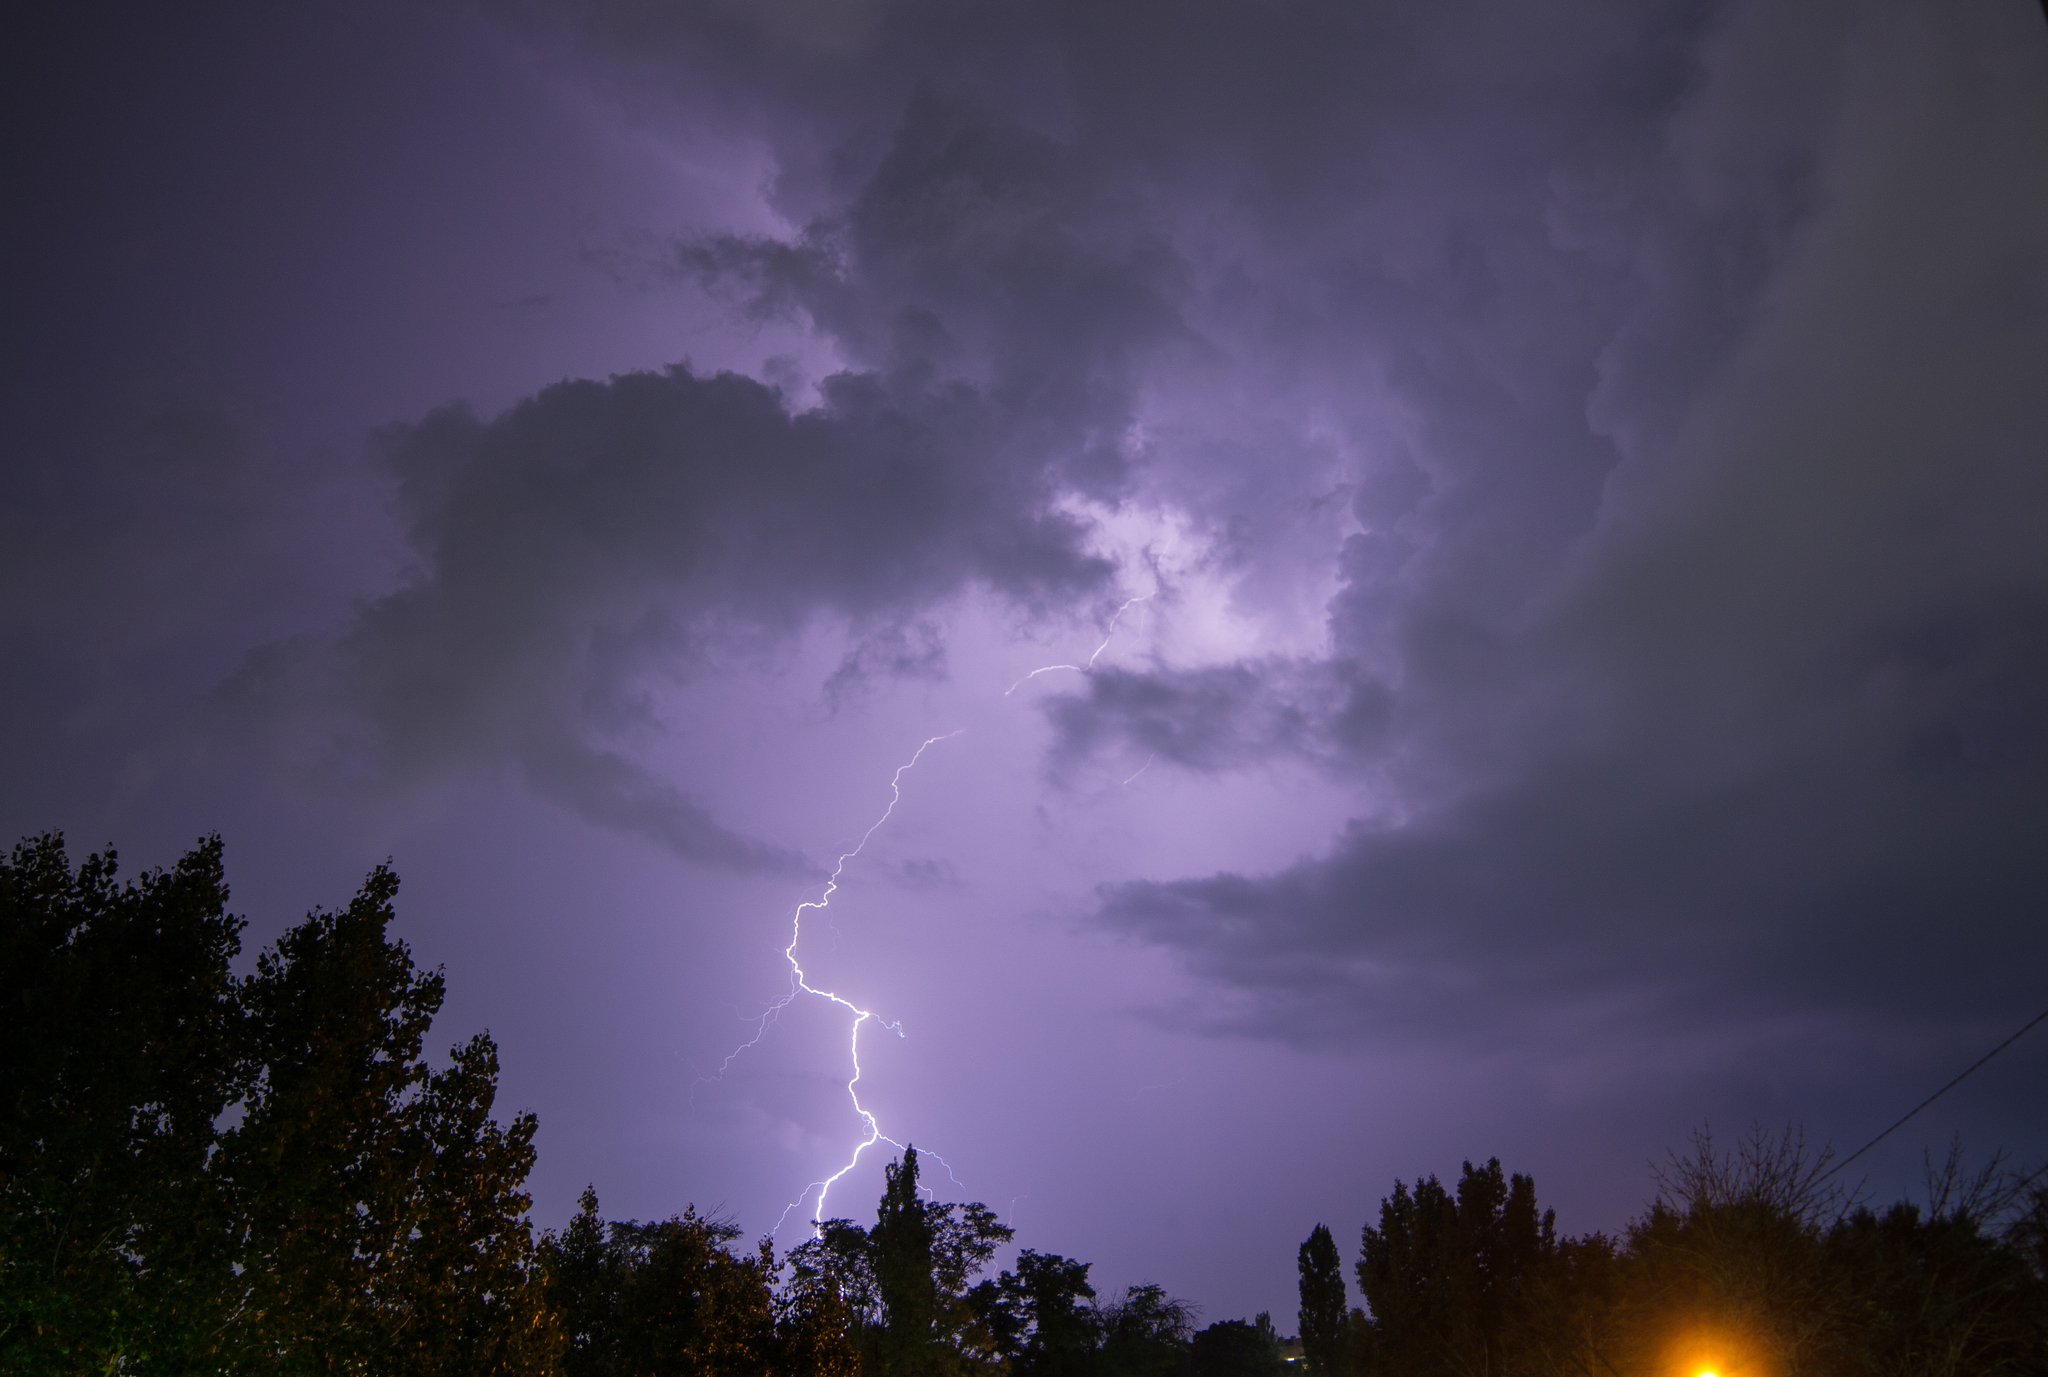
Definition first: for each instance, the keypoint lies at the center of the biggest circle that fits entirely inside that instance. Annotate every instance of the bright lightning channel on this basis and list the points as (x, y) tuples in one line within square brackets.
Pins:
[(799, 984)]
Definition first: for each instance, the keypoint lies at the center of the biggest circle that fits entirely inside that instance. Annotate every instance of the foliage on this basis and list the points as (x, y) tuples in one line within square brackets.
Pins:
[(1038, 1317), (1232, 1348), (669, 1297), (257, 1175), (815, 1327), (693, 1307), (1143, 1333), (1747, 1262), (912, 1277), (124, 1045), (1322, 1314), (647, 1300), (1750, 1253), (264, 1175), (1449, 1280)]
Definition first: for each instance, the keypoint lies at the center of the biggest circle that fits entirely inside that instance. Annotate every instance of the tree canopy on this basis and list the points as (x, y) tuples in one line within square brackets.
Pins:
[(1746, 1262), (1322, 1312), (263, 1174)]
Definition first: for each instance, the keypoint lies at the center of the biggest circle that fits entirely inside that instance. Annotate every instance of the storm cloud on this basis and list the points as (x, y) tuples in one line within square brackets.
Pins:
[(1668, 492), (601, 532), (1434, 538), (1773, 707)]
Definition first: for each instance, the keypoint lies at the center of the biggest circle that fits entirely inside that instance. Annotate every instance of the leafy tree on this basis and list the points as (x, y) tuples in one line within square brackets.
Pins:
[(691, 1306), (1450, 1281), (1750, 1257), (1359, 1342), (1144, 1333), (1322, 1316), (837, 1262), (1232, 1348), (903, 1286), (901, 1248), (379, 1210), (1037, 1317), (815, 1328), (1933, 1293), (363, 1212), (586, 1272), (1745, 1262), (123, 1047), (922, 1254), (1573, 1307), (647, 1300)]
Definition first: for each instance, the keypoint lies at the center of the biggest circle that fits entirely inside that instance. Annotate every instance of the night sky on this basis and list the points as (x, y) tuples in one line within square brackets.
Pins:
[(1537, 516)]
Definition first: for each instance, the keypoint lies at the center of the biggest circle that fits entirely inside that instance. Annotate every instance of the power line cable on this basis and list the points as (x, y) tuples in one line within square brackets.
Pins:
[(2039, 1018)]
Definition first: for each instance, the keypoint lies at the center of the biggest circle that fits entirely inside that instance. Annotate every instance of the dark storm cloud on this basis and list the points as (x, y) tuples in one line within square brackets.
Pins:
[(1676, 361), (991, 216), (1871, 844), (1767, 735), (600, 533), (981, 252), (1226, 716), (992, 302), (1661, 381)]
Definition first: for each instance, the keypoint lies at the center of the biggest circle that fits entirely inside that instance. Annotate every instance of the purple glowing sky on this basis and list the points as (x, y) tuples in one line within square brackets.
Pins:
[(1542, 508)]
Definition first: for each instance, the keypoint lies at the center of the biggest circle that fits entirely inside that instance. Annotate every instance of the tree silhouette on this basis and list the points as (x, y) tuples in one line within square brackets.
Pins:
[(587, 1271), (200, 1173), (902, 1246), (123, 1047), (1232, 1348), (1037, 1317), (1449, 1280), (1746, 1262), (379, 1209), (692, 1308), (1144, 1333), (903, 1285), (1323, 1298)]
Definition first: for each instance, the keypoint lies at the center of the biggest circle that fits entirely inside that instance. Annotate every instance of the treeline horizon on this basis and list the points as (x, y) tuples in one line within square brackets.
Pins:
[(1748, 1262), (205, 1173)]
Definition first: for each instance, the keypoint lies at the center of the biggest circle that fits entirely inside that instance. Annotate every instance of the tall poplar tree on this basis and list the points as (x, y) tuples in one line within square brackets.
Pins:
[(902, 1249), (918, 1259), (1322, 1304)]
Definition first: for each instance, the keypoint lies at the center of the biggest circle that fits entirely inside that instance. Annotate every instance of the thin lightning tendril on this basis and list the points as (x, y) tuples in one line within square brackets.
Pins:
[(1108, 635), (799, 983)]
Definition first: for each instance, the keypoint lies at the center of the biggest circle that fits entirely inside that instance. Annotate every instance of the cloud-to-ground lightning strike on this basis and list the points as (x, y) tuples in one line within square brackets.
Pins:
[(799, 984)]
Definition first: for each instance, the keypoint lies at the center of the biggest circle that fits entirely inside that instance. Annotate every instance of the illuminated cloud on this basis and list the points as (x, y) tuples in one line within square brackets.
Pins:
[(1540, 506)]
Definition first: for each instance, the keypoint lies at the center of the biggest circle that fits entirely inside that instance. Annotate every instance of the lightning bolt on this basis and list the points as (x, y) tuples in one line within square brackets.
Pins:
[(1109, 634), (800, 985)]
